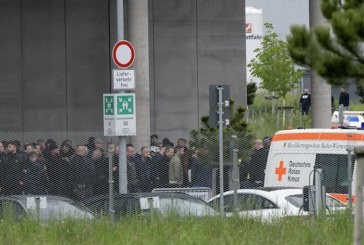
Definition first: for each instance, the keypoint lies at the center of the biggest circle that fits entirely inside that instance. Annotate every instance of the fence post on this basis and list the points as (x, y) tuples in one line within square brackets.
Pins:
[(350, 180), (111, 186), (278, 116), (358, 218), (235, 175)]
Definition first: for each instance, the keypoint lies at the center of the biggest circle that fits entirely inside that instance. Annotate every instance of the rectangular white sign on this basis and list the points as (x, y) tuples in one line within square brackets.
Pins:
[(149, 202), (123, 79), (32, 202), (119, 114)]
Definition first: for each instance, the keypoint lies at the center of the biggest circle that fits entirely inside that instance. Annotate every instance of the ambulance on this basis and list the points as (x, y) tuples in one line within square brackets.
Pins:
[(293, 154)]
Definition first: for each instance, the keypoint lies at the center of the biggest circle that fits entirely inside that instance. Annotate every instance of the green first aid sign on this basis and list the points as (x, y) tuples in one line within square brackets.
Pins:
[(125, 105)]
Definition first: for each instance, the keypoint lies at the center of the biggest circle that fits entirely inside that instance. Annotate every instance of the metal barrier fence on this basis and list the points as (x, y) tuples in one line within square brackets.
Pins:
[(76, 164)]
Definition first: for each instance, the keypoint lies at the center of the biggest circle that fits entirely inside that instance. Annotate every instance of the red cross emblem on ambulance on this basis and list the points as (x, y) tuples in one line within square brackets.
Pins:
[(281, 170)]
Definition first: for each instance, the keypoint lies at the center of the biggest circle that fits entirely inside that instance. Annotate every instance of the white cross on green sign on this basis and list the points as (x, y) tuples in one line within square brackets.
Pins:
[(109, 105), (125, 105)]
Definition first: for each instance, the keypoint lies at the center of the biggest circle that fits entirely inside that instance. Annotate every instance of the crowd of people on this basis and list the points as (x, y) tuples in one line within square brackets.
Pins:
[(44, 168)]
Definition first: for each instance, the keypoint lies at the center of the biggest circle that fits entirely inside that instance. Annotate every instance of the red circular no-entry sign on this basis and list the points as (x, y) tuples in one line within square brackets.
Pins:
[(123, 54)]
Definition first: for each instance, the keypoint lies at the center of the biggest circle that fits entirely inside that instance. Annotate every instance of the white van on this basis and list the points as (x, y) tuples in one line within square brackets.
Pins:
[(294, 153)]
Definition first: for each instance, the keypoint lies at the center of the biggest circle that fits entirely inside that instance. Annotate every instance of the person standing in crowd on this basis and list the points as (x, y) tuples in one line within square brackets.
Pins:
[(13, 171), (38, 149), (99, 145), (133, 182), (82, 173), (2, 148), (58, 171), (176, 168), (42, 144), (144, 169), (29, 148), (66, 152), (344, 97), (166, 142), (50, 144), (201, 172), (305, 102), (186, 160), (90, 144), (255, 169), (115, 168), (36, 178), (158, 155), (101, 185), (154, 140), (163, 167)]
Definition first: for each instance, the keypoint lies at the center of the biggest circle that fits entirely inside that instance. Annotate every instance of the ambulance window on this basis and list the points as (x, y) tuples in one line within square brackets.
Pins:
[(335, 171)]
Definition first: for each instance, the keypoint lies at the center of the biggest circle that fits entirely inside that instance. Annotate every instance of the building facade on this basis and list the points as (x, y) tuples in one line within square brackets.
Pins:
[(56, 61)]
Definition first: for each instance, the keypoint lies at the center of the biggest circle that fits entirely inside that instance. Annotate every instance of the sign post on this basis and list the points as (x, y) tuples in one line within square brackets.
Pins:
[(221, 152), (119, 109)]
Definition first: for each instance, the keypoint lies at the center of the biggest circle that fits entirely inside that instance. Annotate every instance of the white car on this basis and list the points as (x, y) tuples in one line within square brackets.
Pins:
[(353, 121), (267, 203), (350, 119)]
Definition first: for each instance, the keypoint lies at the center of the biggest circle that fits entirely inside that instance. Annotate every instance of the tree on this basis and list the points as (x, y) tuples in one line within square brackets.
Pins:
[(251, 90), (335, 51), (274, 66), (206, 139)]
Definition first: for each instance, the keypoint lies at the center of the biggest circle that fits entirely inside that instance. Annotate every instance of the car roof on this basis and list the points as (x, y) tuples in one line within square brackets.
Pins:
[(271, 193), (179, 195), (23, 198)]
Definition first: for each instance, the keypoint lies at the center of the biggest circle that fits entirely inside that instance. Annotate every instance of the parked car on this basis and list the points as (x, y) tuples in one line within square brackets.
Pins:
[(267, 203), (128, 205), (354, 121), (125, 205), (181, 204), (350, 119), (44, 208)]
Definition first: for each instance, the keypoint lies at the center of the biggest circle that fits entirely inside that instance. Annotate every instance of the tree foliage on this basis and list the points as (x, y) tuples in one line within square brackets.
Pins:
[(206, 139), (251, 89), (335, 51), (274, 66)]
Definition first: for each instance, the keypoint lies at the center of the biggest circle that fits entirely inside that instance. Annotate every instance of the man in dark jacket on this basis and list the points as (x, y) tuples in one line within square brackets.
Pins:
[(305, 102), (36, 178), (256, 166), (82, 174), (344, 97), (13, 171), (58, 172)]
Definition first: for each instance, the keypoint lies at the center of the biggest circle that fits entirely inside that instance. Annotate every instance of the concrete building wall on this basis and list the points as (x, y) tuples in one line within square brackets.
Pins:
[(196, 43), (55, 64), (55, 61)]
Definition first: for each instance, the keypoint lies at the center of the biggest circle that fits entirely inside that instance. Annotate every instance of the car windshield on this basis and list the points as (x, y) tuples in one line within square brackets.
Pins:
[(297, 201), (60, 209), (185, 207)]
